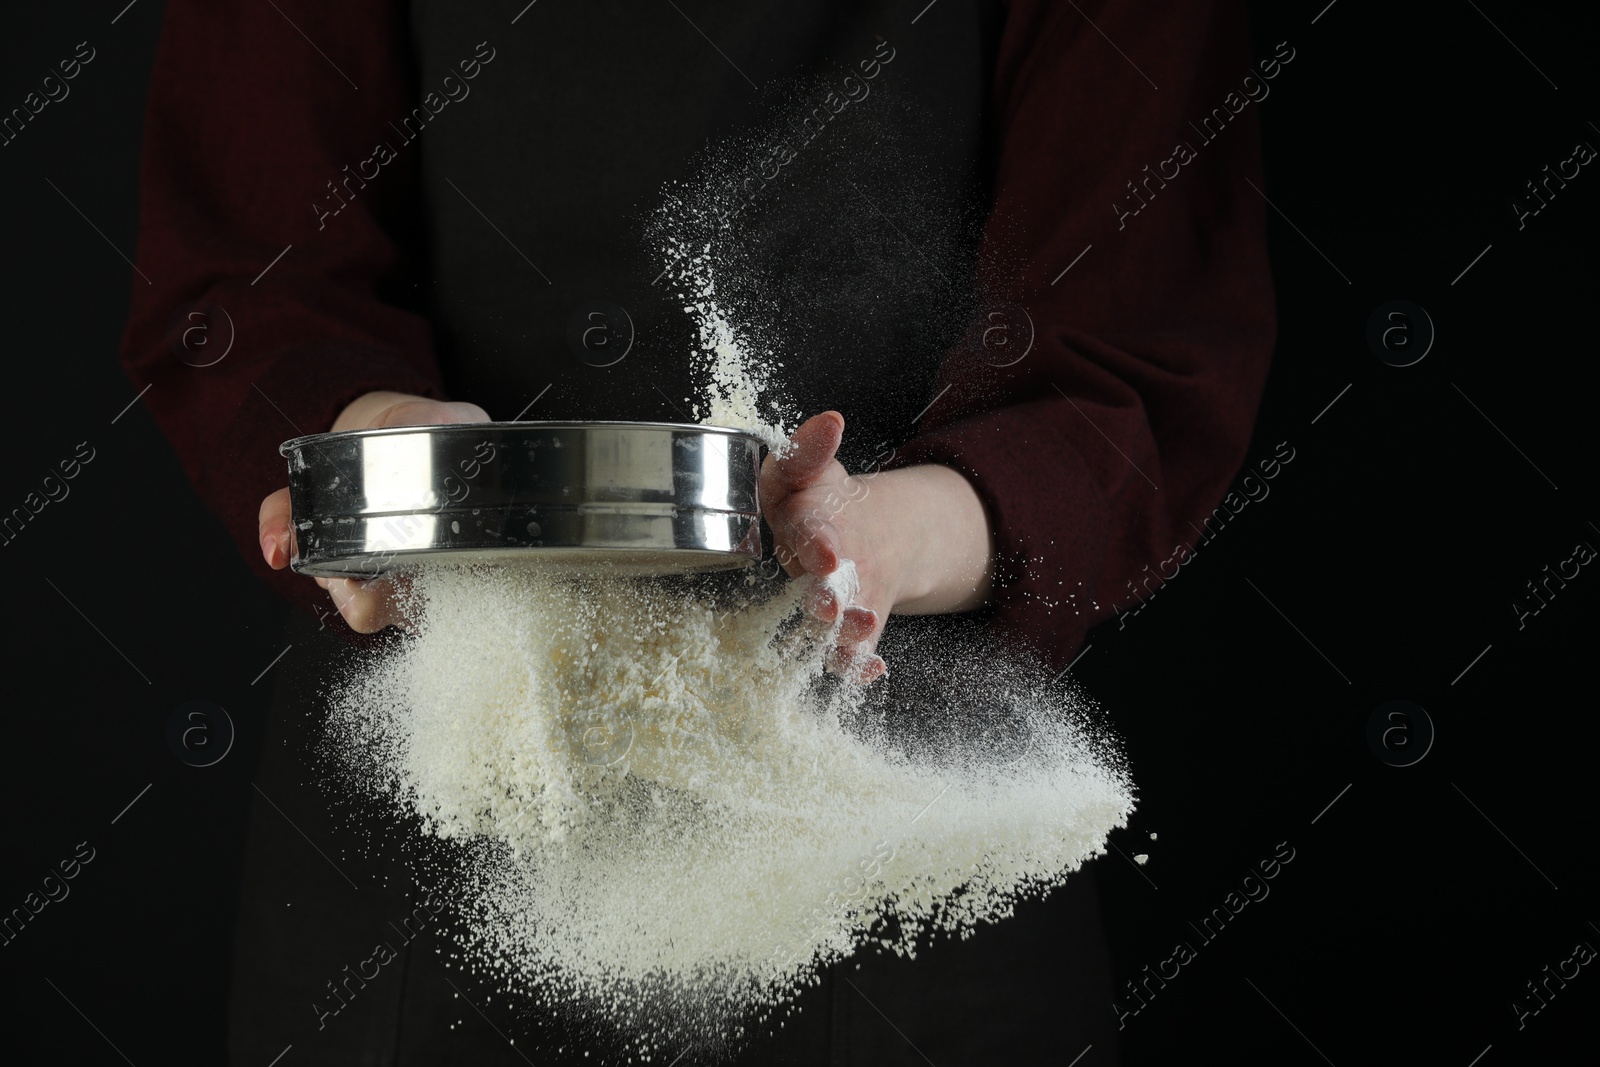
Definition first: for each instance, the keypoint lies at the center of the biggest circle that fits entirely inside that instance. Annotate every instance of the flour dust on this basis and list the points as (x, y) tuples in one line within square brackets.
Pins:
[(663, 813), (736, 363)]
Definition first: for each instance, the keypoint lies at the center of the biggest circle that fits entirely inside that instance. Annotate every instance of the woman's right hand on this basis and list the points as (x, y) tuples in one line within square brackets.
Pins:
[(368, 606)]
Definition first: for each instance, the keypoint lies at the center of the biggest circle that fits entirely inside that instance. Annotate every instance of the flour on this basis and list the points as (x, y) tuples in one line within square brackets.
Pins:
[(736, 365), (663, 812)]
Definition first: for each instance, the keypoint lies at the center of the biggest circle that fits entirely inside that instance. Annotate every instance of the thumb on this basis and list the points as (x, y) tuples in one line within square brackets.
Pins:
[(422, 412), (811, 451)]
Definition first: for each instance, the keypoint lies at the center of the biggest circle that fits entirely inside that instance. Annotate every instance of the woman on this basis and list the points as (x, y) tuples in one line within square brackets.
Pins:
[(399, 209)]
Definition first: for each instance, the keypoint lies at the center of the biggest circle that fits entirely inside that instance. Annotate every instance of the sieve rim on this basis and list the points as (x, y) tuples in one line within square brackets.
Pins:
[(527, 424)]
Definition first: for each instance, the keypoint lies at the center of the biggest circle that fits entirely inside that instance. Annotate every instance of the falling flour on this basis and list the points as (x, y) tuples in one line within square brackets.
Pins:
[(737, 382), (666, 815)]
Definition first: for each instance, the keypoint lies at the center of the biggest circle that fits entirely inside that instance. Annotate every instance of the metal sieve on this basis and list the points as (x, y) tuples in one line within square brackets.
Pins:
[(635, 497)]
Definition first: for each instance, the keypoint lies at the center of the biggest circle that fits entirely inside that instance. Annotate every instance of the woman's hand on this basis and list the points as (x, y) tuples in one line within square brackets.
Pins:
[(919, 537), (368, 606)]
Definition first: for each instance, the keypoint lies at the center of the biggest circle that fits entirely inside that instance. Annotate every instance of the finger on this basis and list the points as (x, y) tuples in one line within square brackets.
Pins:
[(367, 606), (820, 603), (860, 624), (811, 451), (860, 666), (429, 413), (275, 530), (856, 644), (855, 648), (812, 544), (787, 558)]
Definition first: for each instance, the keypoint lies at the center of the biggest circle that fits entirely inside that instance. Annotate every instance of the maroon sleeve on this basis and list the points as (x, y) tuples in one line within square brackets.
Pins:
[(252, 120), (1132, 411)]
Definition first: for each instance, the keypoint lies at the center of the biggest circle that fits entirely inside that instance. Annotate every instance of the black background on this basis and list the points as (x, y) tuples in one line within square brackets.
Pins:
[(1384, 562)]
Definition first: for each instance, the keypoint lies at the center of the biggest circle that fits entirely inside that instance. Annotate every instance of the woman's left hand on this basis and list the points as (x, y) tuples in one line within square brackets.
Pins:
[(919, 537)]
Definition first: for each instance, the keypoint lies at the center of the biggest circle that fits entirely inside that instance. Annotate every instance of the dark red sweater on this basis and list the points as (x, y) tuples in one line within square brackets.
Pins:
[(1140, 246)]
